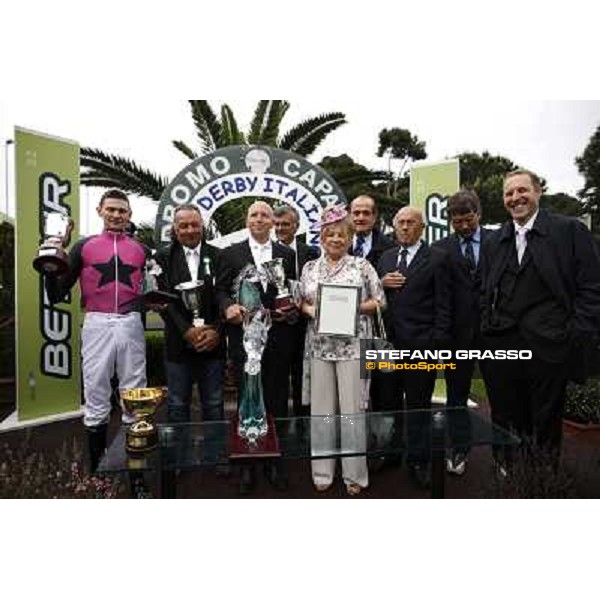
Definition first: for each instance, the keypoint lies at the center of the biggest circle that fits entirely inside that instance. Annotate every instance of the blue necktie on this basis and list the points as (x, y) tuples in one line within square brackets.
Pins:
[(403, 262), (360, 245), (469, 252)]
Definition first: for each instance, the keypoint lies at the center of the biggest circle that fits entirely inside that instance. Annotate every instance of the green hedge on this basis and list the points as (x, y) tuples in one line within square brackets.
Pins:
[(7, 300), (582, 403), (155, 361)]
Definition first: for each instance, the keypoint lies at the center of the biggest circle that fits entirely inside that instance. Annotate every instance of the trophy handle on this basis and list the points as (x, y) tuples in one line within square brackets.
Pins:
[(67, 239)]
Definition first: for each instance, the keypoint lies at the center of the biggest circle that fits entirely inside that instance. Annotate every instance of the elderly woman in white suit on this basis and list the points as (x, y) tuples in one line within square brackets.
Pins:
[(335, 383)]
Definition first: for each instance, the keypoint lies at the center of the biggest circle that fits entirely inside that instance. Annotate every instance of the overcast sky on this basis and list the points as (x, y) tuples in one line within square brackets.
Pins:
[(544, 136)]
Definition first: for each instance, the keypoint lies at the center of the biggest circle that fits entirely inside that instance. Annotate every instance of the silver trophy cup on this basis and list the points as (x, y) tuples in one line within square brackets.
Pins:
[(276, 275), (51, 256), (191, 294)]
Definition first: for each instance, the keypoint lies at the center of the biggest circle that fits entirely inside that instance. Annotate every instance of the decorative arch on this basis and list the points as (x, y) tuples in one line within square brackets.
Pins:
[(235, 172)]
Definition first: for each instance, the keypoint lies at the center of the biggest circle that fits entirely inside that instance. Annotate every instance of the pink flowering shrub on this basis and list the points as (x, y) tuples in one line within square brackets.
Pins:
[(29, 473)]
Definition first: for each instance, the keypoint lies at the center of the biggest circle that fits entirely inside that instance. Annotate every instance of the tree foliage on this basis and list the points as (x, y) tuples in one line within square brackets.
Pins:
[(401, 144), (589, 167), (355, 180), (214, 130), (563, 204)]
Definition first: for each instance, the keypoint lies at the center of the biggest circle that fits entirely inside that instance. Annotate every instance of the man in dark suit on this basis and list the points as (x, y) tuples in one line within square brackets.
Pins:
[(368, 241), (418, 317), (462, 250), (275, 364), (286, 225), (540, 292), (193, 354)]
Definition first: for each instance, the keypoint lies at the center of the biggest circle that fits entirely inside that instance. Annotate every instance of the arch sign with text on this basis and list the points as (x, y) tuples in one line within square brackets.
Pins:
[(235, 172)]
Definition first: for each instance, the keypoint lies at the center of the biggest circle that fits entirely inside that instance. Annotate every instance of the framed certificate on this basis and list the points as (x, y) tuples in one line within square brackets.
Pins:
[(338, 309)]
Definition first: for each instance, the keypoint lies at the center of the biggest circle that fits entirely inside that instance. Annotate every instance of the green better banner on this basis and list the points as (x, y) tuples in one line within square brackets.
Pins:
[(430, 186), (48, 354)]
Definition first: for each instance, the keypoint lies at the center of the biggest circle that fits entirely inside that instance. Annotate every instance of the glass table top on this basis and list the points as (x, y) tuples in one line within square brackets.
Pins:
[(205, 444)]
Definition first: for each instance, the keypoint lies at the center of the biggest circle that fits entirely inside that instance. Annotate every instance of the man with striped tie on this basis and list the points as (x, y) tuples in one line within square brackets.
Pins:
[(368, 241)]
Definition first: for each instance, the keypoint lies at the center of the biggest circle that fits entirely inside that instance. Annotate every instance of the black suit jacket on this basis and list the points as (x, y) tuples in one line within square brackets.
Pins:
[(420, 313), (277, 353), (305, 253), (379, 245), (465, 285), (233, 259), (566, 258), (177, 318)]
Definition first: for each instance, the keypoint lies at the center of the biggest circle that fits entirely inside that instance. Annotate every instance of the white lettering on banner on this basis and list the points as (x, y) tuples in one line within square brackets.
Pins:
[(322, 188), (180, 194), (57, 360), (291, 167), (437, 221), (199, 177), (55, 323), (53, 190), (220, 165), (236, 172), (404, 354)]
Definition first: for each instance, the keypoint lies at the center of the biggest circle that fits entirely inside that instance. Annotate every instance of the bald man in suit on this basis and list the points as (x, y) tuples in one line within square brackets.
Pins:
[(276, 358)]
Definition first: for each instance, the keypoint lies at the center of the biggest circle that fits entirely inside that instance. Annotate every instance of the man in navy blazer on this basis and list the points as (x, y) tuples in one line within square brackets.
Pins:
[(417, 286), (287, 222), (370, 243), (367, 241), (275, 364), (462, 250), (540, 292)]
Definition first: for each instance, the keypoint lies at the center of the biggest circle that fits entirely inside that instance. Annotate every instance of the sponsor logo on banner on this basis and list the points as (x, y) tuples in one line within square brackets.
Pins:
[(430, 186), (55, 323), (47, 336)]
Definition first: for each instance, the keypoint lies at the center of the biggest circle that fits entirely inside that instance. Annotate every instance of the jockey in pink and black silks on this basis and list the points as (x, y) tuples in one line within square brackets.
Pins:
[(110, 269)]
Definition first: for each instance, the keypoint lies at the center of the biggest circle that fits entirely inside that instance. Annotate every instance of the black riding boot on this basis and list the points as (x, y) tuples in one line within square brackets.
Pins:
[(96, 437)]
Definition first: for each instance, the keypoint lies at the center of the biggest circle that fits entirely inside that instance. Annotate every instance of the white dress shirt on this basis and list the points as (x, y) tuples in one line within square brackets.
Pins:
[(261, 253), (521, 232), (411, 251), (192, 257)]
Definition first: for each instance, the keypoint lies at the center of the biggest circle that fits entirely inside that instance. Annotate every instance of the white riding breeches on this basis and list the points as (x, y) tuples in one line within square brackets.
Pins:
[(109, 343)]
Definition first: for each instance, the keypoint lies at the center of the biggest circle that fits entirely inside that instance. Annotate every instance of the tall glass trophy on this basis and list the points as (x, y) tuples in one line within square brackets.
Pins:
[(252, 422), (253, 433)]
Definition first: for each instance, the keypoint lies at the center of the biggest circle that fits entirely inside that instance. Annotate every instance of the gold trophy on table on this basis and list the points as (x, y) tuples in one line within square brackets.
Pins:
[(142, 403)]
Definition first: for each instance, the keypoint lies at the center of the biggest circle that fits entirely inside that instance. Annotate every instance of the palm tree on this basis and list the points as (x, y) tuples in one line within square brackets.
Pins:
[(101, 169)]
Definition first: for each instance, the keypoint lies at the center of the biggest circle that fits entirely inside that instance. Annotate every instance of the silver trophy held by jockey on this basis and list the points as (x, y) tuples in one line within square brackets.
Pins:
[(52, 256)]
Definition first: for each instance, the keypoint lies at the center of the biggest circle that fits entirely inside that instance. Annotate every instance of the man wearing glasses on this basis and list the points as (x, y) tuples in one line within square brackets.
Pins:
[(462, 250)]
